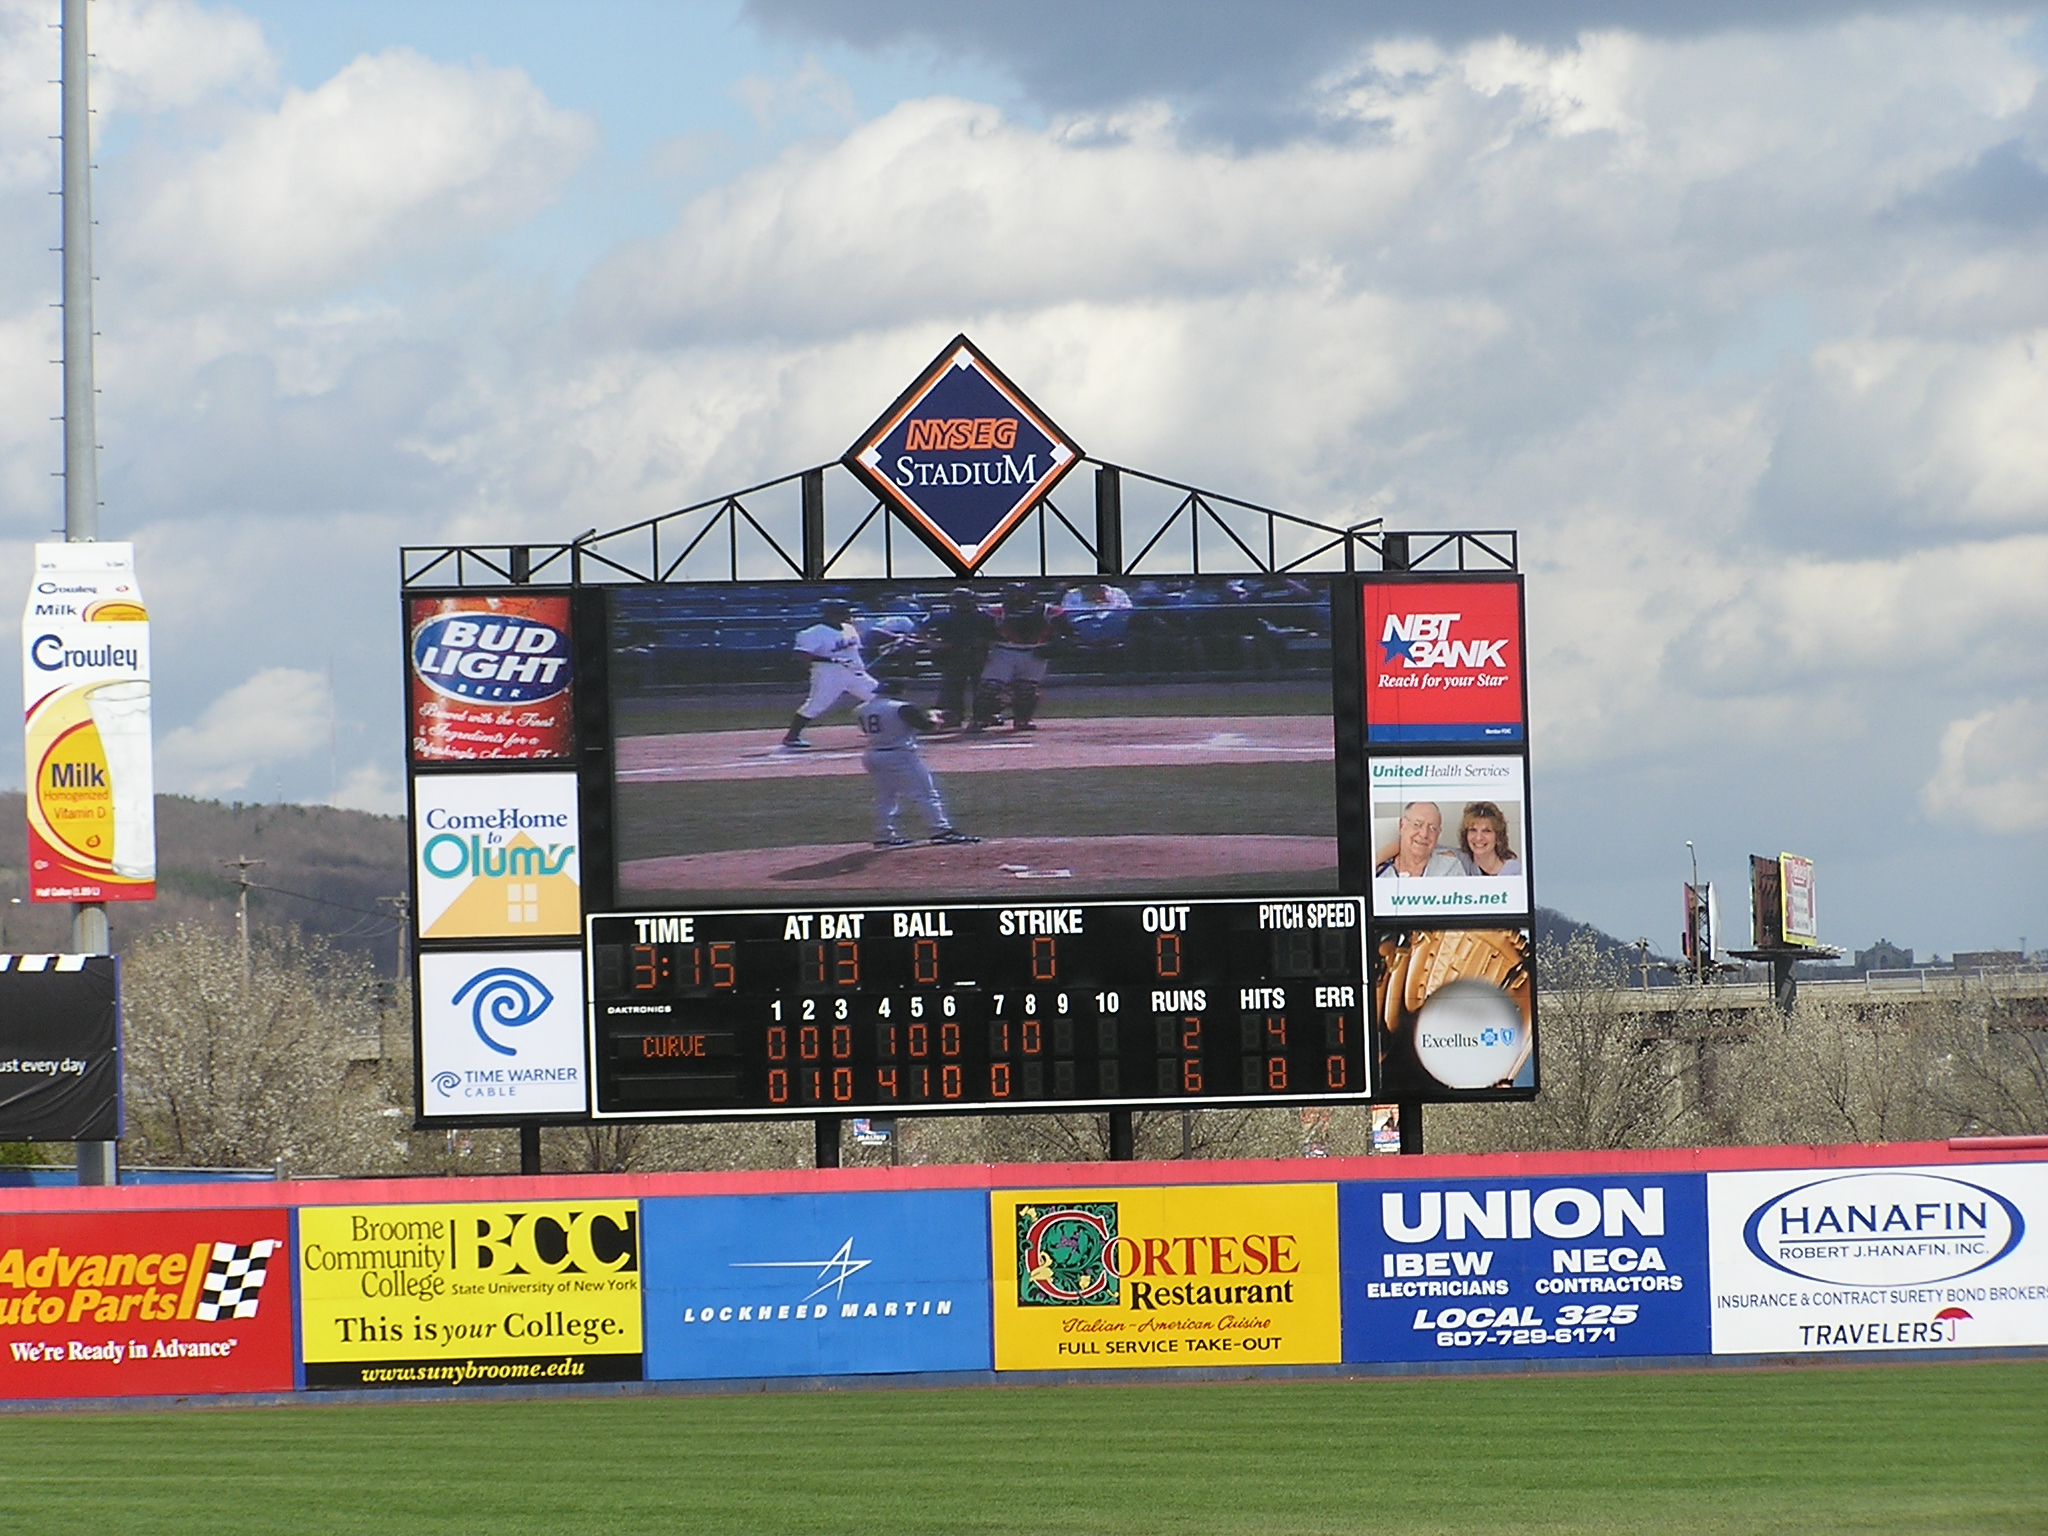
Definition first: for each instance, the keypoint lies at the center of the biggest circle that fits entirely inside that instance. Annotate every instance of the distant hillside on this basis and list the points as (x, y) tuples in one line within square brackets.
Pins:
[(322, 869)]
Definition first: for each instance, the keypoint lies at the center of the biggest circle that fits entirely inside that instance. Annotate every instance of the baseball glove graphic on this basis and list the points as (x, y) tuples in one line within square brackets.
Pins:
[(1415, 965)]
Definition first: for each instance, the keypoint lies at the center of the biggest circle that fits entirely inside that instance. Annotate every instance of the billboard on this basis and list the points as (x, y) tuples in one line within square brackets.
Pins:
[(60, 1048), (489, 678), (1449, 837), (1443, 660), (495, 855), (1069, 737), (501, 1033), (1799, 917), (470, 1295), (1524, 1269), (85, 694), (1103, 1279), (1915, 1260), (1455, 1012), (816, 1285), (145, 1303)]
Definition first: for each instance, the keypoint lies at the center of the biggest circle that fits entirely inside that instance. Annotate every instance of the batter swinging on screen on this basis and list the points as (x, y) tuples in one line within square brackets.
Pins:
[(897, 769), (833, 650)]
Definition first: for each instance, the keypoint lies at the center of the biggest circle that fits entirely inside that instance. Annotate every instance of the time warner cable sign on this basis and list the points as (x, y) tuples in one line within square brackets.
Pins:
[(1887, 1259)]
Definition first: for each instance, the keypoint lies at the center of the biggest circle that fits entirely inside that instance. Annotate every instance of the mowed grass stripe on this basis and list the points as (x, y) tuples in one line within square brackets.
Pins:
[(1923, 1448)]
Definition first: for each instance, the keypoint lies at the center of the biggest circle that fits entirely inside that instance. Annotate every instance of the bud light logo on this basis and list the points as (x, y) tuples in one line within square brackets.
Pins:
[(491, 658), (504, 998)]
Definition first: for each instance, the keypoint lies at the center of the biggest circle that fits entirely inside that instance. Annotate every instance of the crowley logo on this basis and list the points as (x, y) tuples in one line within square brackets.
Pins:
[(830, 1275), (491, 658), (1063, 1255), (1884, 1229), (963, 455)]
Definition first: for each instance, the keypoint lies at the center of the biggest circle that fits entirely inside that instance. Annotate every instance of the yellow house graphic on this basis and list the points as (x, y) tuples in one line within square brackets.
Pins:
[(510, 898)]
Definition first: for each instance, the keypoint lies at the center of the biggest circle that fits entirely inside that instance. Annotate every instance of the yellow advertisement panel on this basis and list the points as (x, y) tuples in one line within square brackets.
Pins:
[(1203, 1275), (470, 1295)]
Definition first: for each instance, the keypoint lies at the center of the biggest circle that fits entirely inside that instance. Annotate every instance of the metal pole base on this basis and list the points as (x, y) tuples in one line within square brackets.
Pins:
[(1411, 1129), (1122, 1137), (529, 1149), (98, 1162), (826, 1154)]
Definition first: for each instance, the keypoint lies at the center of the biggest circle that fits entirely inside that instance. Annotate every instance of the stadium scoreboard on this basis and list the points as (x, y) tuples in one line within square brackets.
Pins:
[(977, 1007)]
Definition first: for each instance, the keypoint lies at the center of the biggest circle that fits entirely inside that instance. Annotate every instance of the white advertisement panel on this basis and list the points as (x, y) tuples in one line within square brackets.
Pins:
[(1808, 1261), (1449, 837), (85, 693), (501, 1033), (495, 855)]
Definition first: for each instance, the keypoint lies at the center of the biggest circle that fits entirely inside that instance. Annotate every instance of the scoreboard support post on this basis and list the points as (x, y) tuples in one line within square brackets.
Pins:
[(529, 1149), (1122, 1137), (826, 1146), (1410, 1112)]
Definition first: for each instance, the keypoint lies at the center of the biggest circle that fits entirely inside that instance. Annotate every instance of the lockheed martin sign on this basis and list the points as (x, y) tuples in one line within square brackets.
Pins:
[(962, 455)]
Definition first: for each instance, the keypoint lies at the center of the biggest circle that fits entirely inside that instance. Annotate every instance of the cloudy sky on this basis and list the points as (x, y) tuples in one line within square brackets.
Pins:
[(1742, 322)]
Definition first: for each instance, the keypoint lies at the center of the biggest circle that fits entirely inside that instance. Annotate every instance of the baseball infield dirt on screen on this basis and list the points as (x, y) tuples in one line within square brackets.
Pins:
[(470, 1295), (1103, 1279)]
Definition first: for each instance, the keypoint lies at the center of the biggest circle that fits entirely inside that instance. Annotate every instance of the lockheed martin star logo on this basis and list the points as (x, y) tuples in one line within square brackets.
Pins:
[(833, 1273)]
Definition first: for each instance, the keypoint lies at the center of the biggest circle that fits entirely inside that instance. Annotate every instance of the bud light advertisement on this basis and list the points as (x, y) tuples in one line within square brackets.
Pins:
[(817, 1285), (1525, 1269), (1443, 660), (490, 678)]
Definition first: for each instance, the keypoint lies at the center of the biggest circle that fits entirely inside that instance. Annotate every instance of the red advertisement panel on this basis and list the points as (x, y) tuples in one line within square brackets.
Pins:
[(145, 1303), (490, 678), (1443, 661)]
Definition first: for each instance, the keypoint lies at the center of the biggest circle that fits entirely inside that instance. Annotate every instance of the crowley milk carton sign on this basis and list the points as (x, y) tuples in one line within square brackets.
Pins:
[(85, 692), (963, 455), (1904, 1260)]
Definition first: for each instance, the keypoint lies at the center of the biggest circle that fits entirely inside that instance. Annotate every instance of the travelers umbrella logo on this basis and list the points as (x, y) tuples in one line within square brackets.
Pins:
[(1063, 1256), (963, 455)]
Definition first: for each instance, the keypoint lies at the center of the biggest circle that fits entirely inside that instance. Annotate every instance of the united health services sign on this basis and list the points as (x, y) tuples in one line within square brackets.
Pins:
[(1887, 1259), (963, 455)]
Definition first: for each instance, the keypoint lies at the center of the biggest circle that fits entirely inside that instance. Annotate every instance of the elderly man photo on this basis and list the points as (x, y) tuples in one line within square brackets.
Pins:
[(1415, 851)]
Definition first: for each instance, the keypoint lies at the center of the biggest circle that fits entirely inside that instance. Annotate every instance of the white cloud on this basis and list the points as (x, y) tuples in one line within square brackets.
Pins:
[(393, 156), (277, 715), (1994, 771), (370, 787)]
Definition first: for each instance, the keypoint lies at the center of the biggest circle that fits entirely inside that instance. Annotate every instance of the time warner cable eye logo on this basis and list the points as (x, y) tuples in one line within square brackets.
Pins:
[(1424, 640), (1063, 1256), (507, 998)]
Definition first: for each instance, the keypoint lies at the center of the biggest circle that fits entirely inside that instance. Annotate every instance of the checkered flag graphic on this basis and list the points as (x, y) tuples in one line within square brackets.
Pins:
[(234, 1279)]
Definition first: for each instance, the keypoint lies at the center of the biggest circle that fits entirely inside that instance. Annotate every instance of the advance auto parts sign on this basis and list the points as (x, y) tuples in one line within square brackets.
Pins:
[(85, 689), (1209, 1275), (145, 1303), (470, 1295), (1888, 1259)]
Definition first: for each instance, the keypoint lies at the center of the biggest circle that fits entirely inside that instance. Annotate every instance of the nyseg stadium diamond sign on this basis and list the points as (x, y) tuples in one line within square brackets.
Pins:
[(962, 455)]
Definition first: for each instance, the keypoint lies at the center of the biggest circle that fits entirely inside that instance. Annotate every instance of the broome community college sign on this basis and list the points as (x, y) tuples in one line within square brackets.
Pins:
[(963, 455)]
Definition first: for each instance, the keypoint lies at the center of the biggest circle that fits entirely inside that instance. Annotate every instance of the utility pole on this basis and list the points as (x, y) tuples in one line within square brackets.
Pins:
[(241, 867), (98, 1161), (401, 908)]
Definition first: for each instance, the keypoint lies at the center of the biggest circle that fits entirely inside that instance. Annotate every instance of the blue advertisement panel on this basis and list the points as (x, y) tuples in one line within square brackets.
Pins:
[(1525, 1269), (816, 1285)]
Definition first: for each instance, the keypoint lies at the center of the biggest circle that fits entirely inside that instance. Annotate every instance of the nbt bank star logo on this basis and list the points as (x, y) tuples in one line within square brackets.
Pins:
[(962, 455), (1420, 640)]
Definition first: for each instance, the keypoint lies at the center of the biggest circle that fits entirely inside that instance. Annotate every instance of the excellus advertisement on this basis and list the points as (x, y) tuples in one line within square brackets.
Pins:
[(1207, 1275), (463, 1295), (85, 694)]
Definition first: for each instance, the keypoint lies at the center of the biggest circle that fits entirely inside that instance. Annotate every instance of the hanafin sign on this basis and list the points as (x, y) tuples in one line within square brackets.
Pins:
[(963, 455)]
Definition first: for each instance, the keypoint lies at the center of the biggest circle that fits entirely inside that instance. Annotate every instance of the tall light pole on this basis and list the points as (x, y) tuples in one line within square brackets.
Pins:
[(96, 1159), (1699, 961)]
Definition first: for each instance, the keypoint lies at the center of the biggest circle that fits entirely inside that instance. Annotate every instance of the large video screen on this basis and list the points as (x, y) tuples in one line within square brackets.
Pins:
[(933, 740)]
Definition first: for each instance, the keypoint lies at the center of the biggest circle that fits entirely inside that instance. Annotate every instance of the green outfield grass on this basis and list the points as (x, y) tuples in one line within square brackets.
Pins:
[(1284, 799), (1959, 1448)]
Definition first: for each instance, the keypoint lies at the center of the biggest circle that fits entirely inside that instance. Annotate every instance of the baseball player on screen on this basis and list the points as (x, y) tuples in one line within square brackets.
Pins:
[(1016, 660), (889, 728), (832, 647)]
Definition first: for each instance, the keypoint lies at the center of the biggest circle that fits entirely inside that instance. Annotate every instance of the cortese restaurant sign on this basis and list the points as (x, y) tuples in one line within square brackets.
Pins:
[(85, 692), (963, 455)]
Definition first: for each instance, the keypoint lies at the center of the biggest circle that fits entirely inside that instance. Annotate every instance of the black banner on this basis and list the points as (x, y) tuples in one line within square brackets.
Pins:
[(60, 1057)]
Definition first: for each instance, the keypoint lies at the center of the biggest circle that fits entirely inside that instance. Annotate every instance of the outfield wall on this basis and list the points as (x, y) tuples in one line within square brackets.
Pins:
[(1903, 1251)]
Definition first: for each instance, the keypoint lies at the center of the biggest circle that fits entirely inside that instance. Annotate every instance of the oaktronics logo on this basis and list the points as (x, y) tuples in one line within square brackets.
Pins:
[(1063, 1255), (491, 658), (1884, 1229), (215, 1282), (821, 1275), (503, 997), (1420, 640)]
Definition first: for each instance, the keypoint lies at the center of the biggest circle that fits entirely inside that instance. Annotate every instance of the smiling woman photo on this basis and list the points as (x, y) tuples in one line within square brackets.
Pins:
[(1483, 841)]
